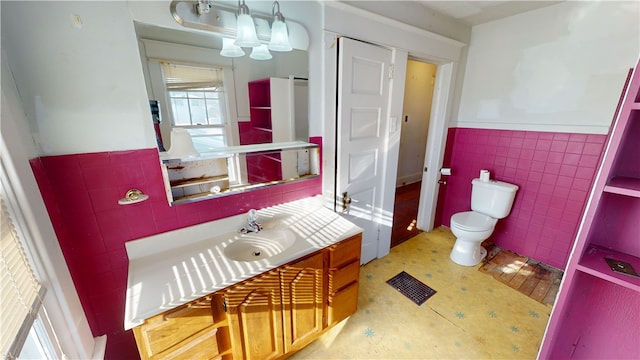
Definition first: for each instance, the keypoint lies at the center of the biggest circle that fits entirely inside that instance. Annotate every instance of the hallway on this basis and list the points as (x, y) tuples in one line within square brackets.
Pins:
[(405, 213)]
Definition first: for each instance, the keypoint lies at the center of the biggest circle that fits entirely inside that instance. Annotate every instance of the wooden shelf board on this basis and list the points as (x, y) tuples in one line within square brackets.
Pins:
[(592, 262), (261, 108), (198, 196), (624, 186), (197, 181)]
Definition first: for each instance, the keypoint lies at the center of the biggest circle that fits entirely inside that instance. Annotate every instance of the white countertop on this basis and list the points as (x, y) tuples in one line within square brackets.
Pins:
[(176, 267)]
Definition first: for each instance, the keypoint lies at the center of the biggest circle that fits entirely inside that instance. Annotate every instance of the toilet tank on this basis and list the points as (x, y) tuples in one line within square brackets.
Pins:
[(493, 198)]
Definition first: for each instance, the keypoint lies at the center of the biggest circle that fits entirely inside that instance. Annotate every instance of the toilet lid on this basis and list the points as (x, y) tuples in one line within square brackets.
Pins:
[(473, 221)]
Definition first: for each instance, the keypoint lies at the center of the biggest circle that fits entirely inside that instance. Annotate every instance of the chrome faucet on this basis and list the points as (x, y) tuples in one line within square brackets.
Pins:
[(252, 223)]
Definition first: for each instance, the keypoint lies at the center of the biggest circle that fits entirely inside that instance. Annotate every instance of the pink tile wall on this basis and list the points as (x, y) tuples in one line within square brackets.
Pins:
[(264, 167), (553, 170), (81, 193), (251, 135)]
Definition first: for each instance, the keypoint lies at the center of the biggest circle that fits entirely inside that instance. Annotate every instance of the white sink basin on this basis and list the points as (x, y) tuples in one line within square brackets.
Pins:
[(260, 245)]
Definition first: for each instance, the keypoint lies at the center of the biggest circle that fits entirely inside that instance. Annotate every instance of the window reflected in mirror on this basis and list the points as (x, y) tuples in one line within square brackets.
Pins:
[(197, 103)]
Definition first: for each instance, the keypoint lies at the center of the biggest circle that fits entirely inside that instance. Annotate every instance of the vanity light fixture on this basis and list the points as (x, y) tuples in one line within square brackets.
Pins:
[(246, 31), (279, 33), (203, 6), (229, 49), (260, 53), (246, 28)]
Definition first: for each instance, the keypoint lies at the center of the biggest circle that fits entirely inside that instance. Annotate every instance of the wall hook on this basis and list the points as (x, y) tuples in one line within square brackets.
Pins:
[(133, 196)]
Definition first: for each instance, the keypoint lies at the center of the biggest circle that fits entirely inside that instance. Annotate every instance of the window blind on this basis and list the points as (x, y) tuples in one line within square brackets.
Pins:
[(21, 293), (184, 77)]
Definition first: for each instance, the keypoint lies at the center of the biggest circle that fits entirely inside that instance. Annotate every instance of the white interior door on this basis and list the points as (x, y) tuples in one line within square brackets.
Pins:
[(363, 98)]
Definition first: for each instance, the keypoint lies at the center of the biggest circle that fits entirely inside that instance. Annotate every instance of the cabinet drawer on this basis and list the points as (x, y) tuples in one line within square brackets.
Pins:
[(164, 331), (202, 345), (342, 304), (345, 252), (339, 278)]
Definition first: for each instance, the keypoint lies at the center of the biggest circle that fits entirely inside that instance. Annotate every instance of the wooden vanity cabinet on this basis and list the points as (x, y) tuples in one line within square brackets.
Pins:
[(268, 316), (189, 331)]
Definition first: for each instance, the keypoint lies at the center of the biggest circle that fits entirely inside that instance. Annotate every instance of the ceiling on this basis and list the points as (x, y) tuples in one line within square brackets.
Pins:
[(478, 12)]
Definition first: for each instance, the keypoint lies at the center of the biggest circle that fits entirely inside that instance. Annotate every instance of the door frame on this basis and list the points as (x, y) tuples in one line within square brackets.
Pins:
[(436, 141), (344, 20)]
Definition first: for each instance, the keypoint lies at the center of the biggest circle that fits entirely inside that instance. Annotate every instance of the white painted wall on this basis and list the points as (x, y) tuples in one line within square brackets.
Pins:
[(81, 85), (415, 14), (559, 68)]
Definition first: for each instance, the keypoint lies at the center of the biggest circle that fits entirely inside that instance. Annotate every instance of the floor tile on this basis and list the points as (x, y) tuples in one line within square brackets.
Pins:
[(472, 315)]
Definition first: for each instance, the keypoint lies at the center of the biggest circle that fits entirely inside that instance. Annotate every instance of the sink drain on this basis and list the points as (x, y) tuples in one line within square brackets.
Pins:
[(257, 253)]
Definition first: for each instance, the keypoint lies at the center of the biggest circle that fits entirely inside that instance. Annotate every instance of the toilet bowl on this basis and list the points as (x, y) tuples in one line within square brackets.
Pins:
[(471, 229), (490, 200)]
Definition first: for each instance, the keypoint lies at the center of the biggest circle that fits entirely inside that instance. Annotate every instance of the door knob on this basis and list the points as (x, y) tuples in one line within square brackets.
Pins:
[(346, 200), (442, 182)]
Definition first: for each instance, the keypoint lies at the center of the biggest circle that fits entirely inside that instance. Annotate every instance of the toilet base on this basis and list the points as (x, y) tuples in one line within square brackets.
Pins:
[(467, 253)]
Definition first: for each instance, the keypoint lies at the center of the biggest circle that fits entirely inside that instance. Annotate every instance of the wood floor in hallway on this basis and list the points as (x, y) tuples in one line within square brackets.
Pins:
[(405, 213)]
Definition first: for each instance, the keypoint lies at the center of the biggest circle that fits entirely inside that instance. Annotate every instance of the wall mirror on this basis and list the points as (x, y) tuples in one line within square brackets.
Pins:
[(227, 105)]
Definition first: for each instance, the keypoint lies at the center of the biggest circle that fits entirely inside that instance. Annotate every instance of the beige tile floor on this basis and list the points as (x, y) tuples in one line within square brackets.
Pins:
[(472, 316)]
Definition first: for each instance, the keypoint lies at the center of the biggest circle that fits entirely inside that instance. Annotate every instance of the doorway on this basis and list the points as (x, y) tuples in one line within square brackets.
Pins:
[(389, 128), (416, 113)]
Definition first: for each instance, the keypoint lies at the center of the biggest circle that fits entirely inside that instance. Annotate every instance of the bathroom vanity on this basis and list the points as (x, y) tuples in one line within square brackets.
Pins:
[(208, 291)]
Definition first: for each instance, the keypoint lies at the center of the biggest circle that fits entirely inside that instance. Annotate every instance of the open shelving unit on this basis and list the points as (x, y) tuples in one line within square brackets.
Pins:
[(271, 105), (597, 312)]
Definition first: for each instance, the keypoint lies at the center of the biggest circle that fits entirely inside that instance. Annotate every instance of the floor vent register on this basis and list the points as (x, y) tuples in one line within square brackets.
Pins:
[(412, 288)]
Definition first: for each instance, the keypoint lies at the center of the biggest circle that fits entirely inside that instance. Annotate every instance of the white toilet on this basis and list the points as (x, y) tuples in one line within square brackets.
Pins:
[(490, 200)]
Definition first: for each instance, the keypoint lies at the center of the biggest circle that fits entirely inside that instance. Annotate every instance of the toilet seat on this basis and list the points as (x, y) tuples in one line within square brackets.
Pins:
[(473, 221)]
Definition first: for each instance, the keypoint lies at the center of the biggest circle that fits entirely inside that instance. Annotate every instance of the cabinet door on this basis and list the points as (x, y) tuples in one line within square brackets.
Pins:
[(185, 332), (302, 294), (255, 318)]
